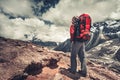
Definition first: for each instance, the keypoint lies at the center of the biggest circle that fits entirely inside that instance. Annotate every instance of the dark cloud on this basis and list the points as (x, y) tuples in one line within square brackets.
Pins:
[(25, 9), (41, 6)]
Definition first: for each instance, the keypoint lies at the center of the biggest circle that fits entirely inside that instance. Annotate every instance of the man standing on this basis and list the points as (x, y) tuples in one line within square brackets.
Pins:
[(79, 33)]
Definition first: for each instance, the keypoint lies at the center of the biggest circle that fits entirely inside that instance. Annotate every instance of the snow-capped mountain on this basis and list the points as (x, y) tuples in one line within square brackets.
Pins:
[(100, 32), (110, 28)]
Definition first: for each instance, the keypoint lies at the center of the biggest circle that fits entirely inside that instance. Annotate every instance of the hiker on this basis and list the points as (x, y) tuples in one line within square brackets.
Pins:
[(79, 34)]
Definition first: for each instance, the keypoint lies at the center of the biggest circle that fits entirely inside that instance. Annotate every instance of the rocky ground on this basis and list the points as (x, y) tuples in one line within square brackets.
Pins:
[(107, 54), (21, 60)]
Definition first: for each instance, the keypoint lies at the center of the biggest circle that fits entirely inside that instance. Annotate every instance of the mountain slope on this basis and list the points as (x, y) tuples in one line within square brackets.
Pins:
[(21, 60), (107, 54)]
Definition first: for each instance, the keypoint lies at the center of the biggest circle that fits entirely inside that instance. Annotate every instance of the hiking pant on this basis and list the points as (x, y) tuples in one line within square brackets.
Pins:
[(78, 48)]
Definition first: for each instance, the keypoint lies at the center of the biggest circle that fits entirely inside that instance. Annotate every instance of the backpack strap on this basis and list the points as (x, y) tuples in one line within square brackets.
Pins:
[(88, 23), (77, 30), (84, 22)]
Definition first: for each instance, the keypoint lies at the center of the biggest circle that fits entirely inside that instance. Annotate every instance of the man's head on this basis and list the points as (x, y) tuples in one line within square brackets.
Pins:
[(75, 20)]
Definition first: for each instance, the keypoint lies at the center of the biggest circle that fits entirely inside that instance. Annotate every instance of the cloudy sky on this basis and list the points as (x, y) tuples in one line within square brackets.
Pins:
[(47, 20)]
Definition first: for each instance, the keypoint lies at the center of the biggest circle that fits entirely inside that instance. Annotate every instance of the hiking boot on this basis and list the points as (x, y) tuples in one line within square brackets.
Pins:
[(73, 72), (82, 73)]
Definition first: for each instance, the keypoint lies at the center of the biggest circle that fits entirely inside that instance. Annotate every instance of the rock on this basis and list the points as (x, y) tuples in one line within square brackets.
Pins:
[(106, 54), (20, 60), (65, 46), (19, 57), (58, 76), (117, 54)]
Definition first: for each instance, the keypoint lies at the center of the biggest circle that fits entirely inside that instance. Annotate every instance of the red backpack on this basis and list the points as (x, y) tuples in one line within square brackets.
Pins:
[(80, 31)]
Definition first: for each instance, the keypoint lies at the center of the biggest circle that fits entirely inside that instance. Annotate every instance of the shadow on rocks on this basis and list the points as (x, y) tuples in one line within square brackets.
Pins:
[(66, 72)]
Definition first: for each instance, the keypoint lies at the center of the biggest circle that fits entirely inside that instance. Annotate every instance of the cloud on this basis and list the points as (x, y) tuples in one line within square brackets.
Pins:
[(17, 7), (116, 13), (60, 15), (98, 10), (17, 28)]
